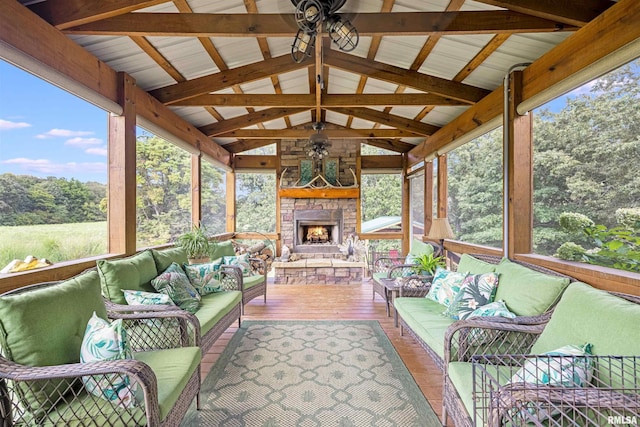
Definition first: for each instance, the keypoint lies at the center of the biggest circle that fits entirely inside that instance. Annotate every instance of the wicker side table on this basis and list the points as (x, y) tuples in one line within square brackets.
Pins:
[(394, 288)]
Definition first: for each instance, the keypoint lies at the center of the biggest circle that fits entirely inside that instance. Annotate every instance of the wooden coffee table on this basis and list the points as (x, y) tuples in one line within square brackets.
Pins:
[(392, 290)]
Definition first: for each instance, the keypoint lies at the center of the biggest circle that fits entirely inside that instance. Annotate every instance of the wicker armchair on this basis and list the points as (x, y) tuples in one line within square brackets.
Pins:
[(42, 383), (489, 353)]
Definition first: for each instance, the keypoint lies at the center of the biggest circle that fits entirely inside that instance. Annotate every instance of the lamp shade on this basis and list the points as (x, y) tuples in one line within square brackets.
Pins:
[(440, 229)]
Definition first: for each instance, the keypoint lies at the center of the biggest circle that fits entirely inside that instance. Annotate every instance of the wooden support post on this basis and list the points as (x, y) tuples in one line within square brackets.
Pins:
[(121, 187), (520, 173), (443, 190), (359, 199), (428, 196), (231, 202), (406, 207), (278, 242), (196, 189)]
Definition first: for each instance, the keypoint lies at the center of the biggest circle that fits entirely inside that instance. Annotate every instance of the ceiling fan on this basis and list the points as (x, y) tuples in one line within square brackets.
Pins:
[(318, 145), (311, 16)]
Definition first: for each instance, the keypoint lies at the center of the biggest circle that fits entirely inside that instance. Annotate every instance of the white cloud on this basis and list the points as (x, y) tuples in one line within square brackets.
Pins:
[(48, 167), (97, 151), (65, 133), (83, 142), (7, 125), (582, 90)]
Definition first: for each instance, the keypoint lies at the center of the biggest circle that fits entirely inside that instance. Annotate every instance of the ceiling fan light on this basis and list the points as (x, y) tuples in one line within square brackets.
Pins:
[(303, 46), (342, 33), (308, 14)]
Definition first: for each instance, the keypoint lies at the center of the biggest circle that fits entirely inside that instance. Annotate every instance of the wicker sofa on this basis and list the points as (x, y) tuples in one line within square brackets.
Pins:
[(387, 267), (252, 286), (42, 381), (529, 291), (480, 389), (217, 311)]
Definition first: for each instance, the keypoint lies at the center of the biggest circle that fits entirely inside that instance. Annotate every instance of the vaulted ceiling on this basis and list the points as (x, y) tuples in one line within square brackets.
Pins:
[(225, 65)]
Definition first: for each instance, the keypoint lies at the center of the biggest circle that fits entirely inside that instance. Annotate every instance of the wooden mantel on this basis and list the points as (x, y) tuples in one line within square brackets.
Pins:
[(320, 193)]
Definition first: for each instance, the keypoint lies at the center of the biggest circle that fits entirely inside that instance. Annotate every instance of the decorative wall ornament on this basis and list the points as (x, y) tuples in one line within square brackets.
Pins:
[(331, 170), (354, 249), (318, 181)]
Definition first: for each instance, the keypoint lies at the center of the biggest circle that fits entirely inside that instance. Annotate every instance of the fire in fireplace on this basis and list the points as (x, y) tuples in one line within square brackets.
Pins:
[(317, 234), (317, 230)]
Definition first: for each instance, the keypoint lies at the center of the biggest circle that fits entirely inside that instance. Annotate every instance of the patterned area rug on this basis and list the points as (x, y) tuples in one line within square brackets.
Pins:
[(310, 373)]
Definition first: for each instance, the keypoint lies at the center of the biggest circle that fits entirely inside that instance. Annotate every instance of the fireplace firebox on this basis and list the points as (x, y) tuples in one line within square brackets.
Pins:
[(317, 230)]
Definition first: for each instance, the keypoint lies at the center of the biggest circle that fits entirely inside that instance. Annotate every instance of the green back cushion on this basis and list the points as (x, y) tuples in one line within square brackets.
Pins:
[(165, 257), (469, 264), (588, 315), (527, 292), (420, 248), (134, 273), (223, 249), (45, 327)]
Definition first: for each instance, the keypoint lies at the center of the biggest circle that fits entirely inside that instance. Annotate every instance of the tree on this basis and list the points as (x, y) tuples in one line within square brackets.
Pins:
[(475, 190)]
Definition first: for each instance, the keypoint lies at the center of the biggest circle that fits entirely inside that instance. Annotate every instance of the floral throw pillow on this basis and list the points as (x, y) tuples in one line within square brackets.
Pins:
[(241, 261), (147, 298), (445, 286), (174, 283), (493, 309), (107, 341), (567, 366), (478, 290), (205, 277)]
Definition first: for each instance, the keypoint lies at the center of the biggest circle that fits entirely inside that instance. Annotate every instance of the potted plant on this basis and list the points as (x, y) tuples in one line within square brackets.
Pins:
[(426, 264), (196, 244)]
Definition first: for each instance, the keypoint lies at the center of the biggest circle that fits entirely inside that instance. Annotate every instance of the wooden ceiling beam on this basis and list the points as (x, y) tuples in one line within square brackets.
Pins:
[(394, 145), (306, 100), (276, 25), (571, 12), (331, 133), (215, 129), (248, 144), (64, 14), (383, 118), (224, 79), (404, 77)]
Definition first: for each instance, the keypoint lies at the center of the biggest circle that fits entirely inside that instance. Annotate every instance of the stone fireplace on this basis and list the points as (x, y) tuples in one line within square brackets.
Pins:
[(317, 231), (313, 224)]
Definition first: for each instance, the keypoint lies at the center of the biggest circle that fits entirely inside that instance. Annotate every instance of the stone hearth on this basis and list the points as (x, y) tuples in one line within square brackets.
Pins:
[(315, 271)]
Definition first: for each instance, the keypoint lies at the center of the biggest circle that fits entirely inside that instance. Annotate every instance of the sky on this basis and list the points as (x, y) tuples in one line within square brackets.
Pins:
[(46, 131)]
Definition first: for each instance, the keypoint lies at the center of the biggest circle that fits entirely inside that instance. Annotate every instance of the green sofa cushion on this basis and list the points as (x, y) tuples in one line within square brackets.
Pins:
[(469, 264), (214, 306), (45, 327), (163, 258), (251, 281), (173, 368), (527, 292), (419, 248), (223, 249), (425, 318), (588, 315), (134, 273)]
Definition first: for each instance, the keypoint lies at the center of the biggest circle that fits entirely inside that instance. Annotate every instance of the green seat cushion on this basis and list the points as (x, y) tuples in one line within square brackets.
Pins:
[(251, 281), (163, 258), (214, 306), (223, 249), (134, 273), (588, 315), (378, 276), (461, 376), (173, 368), (86, 409), (527, 292), (469, 264), (419, 248), (425, 318), (45, 327)]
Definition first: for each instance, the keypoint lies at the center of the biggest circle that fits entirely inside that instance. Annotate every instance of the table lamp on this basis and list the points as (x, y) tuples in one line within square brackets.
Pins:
[(440, 230)]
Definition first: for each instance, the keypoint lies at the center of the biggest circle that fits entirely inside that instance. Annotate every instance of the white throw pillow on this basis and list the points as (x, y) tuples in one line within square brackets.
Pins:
[(107, 341)]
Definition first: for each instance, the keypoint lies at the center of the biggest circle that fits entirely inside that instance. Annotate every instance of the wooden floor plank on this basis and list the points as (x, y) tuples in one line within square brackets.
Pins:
[(338, 302)]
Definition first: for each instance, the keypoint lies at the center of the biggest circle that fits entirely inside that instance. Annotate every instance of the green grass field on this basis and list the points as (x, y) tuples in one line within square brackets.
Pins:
[(55, 242)]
